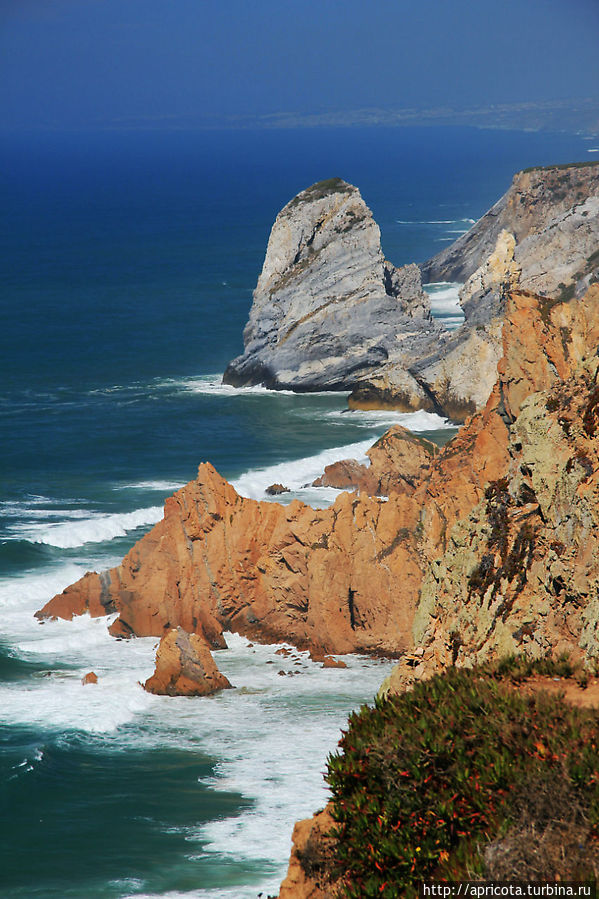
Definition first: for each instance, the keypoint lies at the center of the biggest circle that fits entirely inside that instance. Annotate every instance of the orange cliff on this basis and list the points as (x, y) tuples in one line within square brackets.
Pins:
[(346, 578)]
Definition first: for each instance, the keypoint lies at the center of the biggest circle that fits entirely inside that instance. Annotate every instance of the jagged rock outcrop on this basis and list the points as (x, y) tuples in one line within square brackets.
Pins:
[(397, 461), (542, 234), (519, 571), (328, 308), (330, 312), (341, 579), (185, 667)]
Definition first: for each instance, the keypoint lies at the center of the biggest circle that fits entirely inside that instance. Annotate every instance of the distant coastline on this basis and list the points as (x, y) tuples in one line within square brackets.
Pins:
[(578, 115)]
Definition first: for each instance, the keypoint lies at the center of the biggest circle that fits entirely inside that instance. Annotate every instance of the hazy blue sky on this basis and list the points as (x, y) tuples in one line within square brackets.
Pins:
[(66, 63)]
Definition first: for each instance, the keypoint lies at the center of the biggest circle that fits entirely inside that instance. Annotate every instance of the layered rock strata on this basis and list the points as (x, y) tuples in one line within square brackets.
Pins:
[(329, 312), (328, 308), (185, 667)]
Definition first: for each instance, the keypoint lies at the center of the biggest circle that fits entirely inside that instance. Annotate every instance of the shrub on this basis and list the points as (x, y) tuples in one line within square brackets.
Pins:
[(439, 783)]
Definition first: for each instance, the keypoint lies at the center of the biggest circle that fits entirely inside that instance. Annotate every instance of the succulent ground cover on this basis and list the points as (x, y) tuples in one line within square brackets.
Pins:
[(470, 775)]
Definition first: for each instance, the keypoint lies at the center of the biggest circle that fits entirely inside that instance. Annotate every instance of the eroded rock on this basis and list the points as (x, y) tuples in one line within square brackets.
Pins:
[(398, 460), (185, 667)]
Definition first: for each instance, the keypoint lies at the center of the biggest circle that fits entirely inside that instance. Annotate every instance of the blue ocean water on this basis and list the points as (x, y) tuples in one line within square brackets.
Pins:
[(128, 261)]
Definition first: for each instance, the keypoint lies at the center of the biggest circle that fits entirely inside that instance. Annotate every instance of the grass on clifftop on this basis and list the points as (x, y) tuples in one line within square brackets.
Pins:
[(466, 777), (321, 189), (588, 163)]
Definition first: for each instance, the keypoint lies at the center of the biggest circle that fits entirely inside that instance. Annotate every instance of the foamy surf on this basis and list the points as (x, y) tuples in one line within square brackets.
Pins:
[(445, 302), (158, 486), (87, 527), (271, 735), (297, 475), (420, 421), (435, 221), (211, 385)]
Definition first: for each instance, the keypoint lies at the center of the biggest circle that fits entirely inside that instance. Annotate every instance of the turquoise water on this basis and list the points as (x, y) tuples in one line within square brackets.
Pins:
[(128, 263)]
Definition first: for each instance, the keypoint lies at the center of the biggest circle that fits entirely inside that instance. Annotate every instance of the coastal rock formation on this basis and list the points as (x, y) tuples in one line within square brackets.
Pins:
[(311, 852), (397, 461), (328, 308), (341, 579), (185, 667), (542, 235), (329, 312), (534, 200), (491, 548)]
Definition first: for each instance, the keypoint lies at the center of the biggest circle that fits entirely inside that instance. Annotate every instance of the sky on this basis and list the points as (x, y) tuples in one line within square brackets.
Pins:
[(109, 63)]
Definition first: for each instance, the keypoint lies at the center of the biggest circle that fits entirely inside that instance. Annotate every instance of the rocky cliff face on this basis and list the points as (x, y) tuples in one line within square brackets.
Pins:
[(328, 307), (534, 200), (542, 235), (513, 552), (520, 572), (487, 547), (337, 580)]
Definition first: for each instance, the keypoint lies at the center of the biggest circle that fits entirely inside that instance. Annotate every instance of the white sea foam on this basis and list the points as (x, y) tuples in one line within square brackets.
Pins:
[(378, 418), (297, 474), (445, 302), (159, 486), (271, 735), (435, 221), (56, 699), (593, 150), (212, 385), (87, 527)]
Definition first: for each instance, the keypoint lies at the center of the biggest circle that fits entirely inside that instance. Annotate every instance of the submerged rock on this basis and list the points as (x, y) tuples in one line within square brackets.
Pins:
[(185, 667)]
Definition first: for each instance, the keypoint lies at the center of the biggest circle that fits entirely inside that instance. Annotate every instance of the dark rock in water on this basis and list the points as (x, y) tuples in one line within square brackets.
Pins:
[(276, 489)]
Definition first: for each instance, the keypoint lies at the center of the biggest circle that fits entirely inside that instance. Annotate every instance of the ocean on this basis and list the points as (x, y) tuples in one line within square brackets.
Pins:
[(128, 261)]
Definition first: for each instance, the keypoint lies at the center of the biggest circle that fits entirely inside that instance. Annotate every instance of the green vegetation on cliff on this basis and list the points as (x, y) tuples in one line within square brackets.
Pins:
[(471, 775)]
